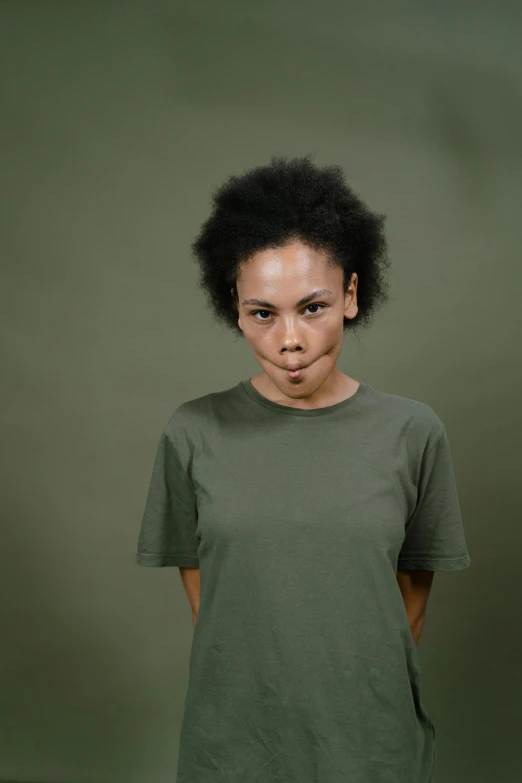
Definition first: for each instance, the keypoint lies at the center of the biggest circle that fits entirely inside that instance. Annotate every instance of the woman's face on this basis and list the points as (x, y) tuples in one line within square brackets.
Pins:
[(280, 330)]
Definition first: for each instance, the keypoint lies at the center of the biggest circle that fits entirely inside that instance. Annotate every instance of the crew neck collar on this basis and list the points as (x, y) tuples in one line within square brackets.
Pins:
[(255, 395)]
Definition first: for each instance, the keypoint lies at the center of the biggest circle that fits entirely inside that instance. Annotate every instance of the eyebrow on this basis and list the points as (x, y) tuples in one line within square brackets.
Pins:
[(304, 300)]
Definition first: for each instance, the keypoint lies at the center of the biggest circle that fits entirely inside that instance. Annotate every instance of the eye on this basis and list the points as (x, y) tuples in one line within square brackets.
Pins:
[(314, 304)]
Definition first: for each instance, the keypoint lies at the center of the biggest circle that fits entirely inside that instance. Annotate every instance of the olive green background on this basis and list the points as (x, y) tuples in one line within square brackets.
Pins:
[(117, 120)]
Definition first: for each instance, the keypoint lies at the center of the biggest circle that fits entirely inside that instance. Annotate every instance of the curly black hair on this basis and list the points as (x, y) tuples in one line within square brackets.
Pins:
[(286, 200)]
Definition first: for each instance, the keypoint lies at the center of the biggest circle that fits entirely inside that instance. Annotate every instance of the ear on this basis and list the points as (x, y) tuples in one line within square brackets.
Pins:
[(350, 298), (232, 291)]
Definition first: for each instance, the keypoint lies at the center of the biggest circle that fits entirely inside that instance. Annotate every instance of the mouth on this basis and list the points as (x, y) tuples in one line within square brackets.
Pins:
[(294, 371)]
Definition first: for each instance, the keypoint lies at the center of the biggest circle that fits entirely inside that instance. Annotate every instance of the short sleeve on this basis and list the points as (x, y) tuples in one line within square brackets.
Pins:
[(168, 528), (434, 539)]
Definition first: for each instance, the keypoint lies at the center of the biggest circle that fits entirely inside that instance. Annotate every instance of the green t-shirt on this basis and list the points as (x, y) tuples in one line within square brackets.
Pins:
[(303, 668)]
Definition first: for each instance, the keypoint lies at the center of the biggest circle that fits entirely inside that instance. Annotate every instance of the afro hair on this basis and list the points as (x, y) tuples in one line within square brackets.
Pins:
[(286, 200)]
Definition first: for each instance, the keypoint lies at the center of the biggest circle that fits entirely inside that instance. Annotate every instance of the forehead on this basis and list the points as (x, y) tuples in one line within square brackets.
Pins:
[(296, 263)]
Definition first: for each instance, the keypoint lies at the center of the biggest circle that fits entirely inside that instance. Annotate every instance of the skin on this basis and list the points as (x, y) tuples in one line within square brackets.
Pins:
[(279, 331), (311, 334)]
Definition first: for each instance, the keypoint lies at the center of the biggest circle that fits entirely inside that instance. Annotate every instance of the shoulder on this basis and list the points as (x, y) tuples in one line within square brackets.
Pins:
[(198, 413), (415, 417)]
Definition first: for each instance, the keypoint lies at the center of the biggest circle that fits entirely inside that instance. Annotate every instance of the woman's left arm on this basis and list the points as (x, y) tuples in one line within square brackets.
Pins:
[(415, 587)]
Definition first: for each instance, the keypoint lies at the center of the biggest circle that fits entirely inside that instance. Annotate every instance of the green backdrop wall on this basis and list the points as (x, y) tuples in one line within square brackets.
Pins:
[(117, 119)]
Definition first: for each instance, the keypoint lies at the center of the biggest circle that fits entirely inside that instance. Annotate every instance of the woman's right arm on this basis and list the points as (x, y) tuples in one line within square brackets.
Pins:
[(190, 579)]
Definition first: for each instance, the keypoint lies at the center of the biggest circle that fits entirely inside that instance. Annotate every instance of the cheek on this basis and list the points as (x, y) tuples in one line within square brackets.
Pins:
[(331, 346), (260, 346), (334, 336)]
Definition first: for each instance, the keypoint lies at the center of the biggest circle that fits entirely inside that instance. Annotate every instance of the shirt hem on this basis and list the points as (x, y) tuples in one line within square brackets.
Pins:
[(434, 563), (158, 561)]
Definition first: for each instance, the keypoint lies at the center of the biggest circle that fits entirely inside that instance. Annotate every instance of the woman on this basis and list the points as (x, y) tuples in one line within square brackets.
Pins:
[(306, 510)]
